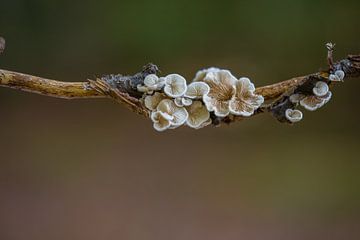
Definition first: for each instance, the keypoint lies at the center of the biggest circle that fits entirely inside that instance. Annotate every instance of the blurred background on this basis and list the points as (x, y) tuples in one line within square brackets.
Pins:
[(90, 169)]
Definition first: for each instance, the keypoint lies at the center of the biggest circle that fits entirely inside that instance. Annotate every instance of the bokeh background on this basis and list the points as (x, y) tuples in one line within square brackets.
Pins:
[(90, 169)]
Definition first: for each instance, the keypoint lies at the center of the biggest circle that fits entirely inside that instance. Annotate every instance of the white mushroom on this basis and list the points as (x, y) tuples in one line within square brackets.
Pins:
[(338, 76), (198, 115), (293, 115), (312, 103), (186, 101), (162, 121), (182, 101), (296, 98), (179, 114), (200, 75), (204, 124), (152, 101), (153, 82), (144, 89), (320, 89), (178, 102), (222, 89), (197, 90), (175, 85), (244, 102), (230, 95)]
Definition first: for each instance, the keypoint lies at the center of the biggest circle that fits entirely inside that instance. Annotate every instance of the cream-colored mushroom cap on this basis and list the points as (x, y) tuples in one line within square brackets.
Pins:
[(204, 124), (222, 89), (197, 90), (338, 76), (182, 101), (154, 82), (161, 120), (144, 89), (293, 115), (151, 102), (179, 114), (296, 98), (186, 101), (198, 114), (312, 103), (245, 101), (178, 102), (175, 85), (200, 75), (320, 89)]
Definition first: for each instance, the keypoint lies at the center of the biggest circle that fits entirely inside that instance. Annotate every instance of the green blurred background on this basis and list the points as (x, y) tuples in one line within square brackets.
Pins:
[(90, 169)]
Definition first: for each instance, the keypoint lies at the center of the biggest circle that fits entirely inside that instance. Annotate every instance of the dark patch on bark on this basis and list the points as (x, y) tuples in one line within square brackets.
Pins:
[(216, 121), (350, 66), (307, 87), (278, 109), (129, 83)]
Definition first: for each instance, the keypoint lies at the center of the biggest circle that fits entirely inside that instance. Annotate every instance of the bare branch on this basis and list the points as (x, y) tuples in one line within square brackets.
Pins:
[(123, 89), (48, 87)]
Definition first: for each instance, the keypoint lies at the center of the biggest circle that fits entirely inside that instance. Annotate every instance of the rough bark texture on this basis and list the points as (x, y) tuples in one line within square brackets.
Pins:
[(128, 84), (48, 87)]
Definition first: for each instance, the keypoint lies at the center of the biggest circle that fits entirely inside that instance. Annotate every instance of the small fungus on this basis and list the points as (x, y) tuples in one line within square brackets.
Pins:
[(293, 115), (338, 76), (152, 101), (178, 115), (313, 103), (198, 115), (175, 85), (320, 89), (296, 98), (162, 121), (153, 82), (222, 89), (200, 75), (182, 101), (229, 95), (204, 124), (196, 90), (244, 102)]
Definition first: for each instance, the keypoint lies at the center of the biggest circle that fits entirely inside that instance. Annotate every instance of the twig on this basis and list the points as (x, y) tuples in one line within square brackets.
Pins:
[(123, 89), (330, 47), (2, 45), (47, 87)]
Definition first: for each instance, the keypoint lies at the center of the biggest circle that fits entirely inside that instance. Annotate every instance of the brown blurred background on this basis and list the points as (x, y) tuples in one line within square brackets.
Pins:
[(90, 169)]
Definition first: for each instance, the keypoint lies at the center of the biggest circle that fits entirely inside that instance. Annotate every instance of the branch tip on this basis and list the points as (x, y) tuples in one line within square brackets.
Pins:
[(2, 45)]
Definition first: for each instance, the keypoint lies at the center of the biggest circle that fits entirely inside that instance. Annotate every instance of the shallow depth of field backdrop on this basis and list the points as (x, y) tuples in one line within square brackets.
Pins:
[(90, 169)]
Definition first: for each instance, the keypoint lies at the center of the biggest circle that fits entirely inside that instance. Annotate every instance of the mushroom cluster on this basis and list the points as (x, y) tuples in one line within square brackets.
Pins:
[(173, 102), (319, 97), (229, 95)]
